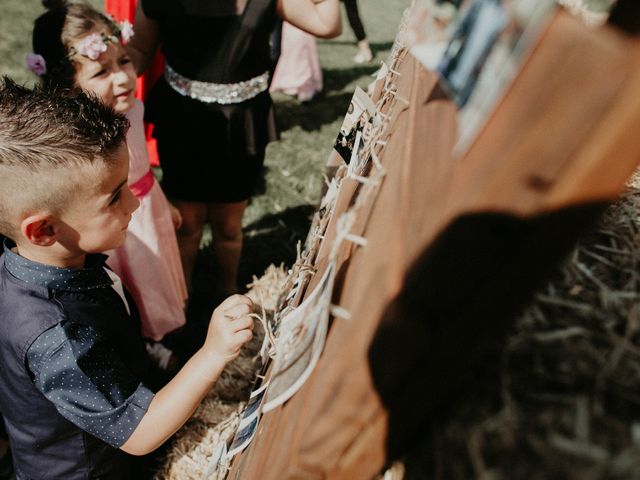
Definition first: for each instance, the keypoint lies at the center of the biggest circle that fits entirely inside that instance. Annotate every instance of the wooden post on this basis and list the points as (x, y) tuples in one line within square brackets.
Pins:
[(450, 253)]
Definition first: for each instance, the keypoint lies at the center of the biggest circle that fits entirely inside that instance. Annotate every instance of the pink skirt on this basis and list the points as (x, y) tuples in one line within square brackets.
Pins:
[(298, 71), (150, 267)]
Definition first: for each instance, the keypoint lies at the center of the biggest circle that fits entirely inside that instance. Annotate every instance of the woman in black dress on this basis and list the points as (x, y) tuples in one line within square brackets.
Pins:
[(212, 113)]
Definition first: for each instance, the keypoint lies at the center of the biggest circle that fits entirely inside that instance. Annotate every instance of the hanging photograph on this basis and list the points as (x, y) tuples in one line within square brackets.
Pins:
[(488, 45), (249, 422), (429, 29), (477, 48), (358, 117), (300, 342)]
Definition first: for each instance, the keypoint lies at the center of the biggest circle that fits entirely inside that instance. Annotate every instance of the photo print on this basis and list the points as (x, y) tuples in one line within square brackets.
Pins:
[(490, 43), (477, 48), (243, 436), (429, 29), (299, 343), (357, 121), (249, 422)]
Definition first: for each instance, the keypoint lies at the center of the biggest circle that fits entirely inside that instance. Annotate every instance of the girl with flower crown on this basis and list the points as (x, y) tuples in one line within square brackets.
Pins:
[(76, 46), (212, 113)]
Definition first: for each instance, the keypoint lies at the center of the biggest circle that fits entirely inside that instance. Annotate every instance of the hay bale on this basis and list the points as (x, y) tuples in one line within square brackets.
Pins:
[(264, 291), (216, 419), (560, 399), (194, 446)]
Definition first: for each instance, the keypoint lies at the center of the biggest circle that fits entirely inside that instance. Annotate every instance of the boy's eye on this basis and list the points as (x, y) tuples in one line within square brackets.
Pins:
[(115, 198), (125, 60)]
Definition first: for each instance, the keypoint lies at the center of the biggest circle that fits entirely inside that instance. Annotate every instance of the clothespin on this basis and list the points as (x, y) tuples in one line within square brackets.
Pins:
[(363, 180), (340, 312)]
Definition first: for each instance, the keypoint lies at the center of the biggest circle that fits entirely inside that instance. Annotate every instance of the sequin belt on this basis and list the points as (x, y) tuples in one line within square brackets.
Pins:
[(224, 93)]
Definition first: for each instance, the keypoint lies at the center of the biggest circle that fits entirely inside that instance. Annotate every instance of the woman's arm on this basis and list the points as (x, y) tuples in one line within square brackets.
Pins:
[(320, 18), (145, 41)]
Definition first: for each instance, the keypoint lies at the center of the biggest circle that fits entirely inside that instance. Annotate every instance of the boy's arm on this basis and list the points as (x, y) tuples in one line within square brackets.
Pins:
[(229, 329), (145, 41)]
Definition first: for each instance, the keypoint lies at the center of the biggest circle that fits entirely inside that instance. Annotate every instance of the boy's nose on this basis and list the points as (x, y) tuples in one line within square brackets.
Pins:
[(131, 201)]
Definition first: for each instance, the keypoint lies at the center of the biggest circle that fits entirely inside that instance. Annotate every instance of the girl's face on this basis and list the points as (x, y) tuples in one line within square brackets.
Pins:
[(111, 76)]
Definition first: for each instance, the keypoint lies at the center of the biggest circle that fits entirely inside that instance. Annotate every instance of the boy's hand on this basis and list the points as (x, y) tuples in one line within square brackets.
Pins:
[(230, 327)]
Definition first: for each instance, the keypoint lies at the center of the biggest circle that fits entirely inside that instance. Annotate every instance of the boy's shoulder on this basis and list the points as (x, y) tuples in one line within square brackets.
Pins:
[(16, 291), (25, 310), (35, 296)]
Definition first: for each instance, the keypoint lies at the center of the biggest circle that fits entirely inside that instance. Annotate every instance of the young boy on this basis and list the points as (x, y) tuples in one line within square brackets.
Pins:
[(71, 390)]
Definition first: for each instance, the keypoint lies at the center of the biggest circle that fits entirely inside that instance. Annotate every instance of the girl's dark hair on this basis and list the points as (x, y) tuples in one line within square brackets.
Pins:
[(57, 29)]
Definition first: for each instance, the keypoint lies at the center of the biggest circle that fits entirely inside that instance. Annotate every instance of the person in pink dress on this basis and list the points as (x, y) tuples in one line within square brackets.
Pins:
[(149, 261), (298, 71), (122, 10), (95, 60)]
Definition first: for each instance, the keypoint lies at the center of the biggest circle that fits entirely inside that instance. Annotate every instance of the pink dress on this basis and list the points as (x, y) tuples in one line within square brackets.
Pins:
[(149, 261), (298, 71)]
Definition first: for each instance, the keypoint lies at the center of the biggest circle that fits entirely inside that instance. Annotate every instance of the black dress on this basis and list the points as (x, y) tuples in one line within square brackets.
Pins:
[(210, 152)]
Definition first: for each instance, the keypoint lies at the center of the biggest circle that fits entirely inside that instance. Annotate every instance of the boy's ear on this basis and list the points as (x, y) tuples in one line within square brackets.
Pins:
[(39, 229)]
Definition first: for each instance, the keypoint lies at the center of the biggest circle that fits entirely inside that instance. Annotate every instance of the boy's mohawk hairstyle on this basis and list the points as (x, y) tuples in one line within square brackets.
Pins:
[(53, 126), (46, 137)]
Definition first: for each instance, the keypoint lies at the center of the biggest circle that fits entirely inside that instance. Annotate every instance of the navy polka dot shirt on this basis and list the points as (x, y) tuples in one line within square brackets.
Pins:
[(74, 365)]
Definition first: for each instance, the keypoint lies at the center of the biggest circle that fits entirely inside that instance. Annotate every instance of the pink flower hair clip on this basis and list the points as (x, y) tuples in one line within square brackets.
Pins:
[(126, 31), (90, 46), (36, 64), (95, 44)]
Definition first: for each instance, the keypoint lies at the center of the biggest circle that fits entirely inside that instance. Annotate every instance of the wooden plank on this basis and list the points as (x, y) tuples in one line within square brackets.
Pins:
[(558, 102), (546, 150)]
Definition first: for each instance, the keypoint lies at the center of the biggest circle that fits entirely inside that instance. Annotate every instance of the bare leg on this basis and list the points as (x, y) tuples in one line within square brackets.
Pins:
[(226, 227), (194, 216)]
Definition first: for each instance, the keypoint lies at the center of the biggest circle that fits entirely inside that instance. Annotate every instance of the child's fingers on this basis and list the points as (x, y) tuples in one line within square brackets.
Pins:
[(237, 312), (242, 323), (235, 300), (243, 336)]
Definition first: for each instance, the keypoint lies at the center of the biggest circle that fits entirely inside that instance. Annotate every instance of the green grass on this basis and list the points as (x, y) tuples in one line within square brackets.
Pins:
[(279, 216), (16, 25)]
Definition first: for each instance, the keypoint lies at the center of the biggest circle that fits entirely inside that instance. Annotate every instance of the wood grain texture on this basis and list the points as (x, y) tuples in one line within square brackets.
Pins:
[(563, 136)]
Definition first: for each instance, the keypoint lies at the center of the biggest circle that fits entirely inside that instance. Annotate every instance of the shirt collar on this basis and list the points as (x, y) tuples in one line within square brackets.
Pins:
[(92, 276)]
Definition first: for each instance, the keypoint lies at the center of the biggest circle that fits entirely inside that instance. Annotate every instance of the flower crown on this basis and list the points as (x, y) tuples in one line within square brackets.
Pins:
[(90, 46)]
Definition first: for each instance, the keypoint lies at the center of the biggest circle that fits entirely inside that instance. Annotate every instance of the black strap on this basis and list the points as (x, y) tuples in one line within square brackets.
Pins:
[(254, 14), (625, 15)]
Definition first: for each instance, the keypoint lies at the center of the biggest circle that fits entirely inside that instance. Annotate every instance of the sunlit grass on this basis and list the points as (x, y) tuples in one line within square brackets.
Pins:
[(277, 218)]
